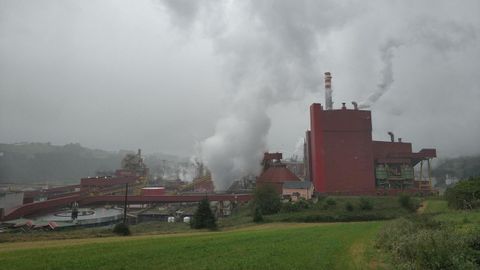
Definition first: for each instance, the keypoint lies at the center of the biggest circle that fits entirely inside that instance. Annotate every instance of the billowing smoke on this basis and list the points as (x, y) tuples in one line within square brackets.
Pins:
[(271, 56), (272, 52), (386, 80), (437, 35)]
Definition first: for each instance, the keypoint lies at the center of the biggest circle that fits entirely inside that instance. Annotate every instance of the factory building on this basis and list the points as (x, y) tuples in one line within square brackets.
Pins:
[(342, 158), (275, 173)]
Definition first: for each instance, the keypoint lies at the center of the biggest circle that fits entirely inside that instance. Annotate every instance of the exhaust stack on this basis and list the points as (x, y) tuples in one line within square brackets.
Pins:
[(392, 137), (328, 91)]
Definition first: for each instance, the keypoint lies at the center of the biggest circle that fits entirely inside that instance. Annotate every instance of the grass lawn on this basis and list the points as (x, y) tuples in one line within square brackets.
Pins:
[(268, 246), (459, 218)]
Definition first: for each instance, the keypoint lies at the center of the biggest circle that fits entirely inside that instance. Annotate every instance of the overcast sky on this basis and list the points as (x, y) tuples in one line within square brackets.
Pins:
[(165, 76)]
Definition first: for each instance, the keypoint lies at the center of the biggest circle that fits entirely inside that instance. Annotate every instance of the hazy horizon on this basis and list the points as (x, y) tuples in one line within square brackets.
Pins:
[(226, 80)]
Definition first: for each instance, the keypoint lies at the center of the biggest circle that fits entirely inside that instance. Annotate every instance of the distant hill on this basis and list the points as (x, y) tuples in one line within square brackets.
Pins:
[(47, 163), (460, 168)]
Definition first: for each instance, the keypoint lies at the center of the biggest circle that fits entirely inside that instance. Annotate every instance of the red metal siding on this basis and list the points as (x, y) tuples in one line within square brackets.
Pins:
[(316, 144), (385, 149), (342, 156), (157, 191)]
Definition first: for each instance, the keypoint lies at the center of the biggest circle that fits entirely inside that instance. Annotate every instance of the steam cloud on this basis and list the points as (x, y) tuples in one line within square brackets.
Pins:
[(274, 58), (386, 56), (440, 36), (271, 59)]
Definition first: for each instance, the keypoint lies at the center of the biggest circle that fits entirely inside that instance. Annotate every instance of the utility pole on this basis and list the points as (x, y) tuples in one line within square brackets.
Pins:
[(125, 205)]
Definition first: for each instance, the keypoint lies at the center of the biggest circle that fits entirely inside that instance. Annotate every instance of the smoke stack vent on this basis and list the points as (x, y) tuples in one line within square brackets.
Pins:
[(355, 105), (328, 91), (392, 137), (399, 139), (343, 106)]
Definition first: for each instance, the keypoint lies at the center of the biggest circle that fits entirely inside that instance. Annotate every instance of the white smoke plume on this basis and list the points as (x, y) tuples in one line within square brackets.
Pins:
[(386, 80), (272, 58), (272, 55), (442, 36)]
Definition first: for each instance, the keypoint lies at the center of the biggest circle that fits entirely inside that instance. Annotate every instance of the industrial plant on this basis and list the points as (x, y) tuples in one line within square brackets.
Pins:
[(340, 158)]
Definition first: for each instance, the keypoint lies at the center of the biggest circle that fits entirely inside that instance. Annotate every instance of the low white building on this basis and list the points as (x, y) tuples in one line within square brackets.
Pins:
[(10, 200)]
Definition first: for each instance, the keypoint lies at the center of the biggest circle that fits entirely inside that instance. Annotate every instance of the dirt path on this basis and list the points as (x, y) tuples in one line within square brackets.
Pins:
[(422, 207)]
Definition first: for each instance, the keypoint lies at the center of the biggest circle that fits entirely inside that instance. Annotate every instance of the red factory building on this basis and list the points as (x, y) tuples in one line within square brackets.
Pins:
[(342, 158)]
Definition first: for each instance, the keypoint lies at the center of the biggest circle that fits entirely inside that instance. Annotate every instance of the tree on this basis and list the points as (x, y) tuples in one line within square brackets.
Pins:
[(121, 229), (257, 215), (465, 194), (204, 217), (267, 200)]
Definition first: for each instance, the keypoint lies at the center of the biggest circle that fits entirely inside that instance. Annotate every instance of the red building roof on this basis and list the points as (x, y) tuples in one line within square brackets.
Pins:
[(278, 174)]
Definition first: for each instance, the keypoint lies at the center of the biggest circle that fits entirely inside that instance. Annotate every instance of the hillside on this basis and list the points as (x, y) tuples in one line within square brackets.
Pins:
[(460, 168), (61, 164)]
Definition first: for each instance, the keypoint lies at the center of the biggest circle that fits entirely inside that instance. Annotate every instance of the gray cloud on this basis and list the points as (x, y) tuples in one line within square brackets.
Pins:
[(236, 77)]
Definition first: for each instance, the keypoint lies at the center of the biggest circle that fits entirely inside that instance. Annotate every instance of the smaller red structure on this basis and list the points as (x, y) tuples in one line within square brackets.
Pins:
[(275, 173)]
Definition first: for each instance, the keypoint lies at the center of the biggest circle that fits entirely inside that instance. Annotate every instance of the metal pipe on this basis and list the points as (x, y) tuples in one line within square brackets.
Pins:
[(392, 137), (355, 105)]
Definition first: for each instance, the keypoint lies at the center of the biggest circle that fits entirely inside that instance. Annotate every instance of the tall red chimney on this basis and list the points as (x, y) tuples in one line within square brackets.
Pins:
[(328, 91)]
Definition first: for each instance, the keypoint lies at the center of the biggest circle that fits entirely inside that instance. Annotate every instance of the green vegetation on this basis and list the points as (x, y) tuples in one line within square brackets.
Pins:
[(121, 229), (257, 215), (267, 200), (64, 164), (299, 205), (461, 167), (341, 209), (437, 239), (203, 217), (40, 162), (465, 194), (271, 246), (365, 204), (146, 228), (349, 207), (424, 243), (407, 203)]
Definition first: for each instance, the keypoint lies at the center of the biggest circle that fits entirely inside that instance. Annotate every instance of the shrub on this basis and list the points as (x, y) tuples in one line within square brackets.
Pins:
[(257, 215), (365, 204), (407, 203), (203, 216), (422, 243), (267, 200), (303, 204), (295, 206), (290, 207), (121, 229), (465, 194), (331, 202), (349, 206)]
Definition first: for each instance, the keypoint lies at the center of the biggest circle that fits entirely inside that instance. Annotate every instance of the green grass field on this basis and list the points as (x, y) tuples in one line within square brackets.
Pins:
[(458, 218), (268, 246)]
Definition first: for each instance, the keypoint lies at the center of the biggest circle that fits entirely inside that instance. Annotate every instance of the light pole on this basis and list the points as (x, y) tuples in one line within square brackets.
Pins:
[(125, 205)]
